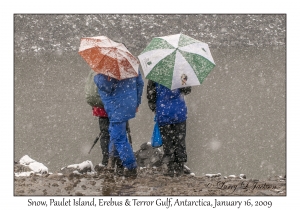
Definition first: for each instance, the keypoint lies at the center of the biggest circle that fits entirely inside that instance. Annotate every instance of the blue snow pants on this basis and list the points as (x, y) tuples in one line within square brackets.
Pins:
[(119, 145)]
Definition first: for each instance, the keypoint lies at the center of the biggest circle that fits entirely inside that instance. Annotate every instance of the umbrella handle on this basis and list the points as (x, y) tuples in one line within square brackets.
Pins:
[(95, 141)]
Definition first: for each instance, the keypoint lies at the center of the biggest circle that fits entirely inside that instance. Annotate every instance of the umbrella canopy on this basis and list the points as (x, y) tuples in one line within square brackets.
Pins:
[(176, 61), (108, 57)]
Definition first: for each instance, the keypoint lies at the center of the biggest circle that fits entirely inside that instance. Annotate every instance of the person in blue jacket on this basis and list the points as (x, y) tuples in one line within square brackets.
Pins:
[(171, 112), (121, 99)]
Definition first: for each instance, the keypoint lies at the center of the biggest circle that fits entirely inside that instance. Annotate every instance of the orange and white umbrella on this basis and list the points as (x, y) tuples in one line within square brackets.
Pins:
[(107, 57)]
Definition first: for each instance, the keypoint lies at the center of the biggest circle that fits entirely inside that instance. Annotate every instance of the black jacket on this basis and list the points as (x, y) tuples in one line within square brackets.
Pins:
[(151, 94)]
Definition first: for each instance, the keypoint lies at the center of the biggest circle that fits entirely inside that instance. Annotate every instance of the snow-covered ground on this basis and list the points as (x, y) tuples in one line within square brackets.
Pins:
[(35, 166)]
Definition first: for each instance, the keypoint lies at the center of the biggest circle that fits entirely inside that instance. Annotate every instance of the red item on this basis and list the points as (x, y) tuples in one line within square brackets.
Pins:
[(107, 57), (99, 112)]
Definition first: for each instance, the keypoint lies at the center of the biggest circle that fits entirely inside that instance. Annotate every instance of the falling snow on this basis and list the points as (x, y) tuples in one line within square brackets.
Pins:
[(236, 118)]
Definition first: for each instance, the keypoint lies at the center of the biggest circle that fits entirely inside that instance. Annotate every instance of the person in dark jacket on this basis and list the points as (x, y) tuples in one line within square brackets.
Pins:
[(171, 112), (121, 99), (104, 134)]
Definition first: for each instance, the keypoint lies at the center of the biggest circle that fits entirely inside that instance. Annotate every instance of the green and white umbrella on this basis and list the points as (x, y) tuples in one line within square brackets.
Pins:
[(176, 61)]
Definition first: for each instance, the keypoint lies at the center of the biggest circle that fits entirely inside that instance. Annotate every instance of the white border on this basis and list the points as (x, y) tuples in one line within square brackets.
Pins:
[(8, 8)]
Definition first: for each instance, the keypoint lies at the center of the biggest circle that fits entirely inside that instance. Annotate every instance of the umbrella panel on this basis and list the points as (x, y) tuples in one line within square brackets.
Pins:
[(183, 74), (92, 56), (199, 64), (162, 72), (108, 57), (188, 65), (113, 63)]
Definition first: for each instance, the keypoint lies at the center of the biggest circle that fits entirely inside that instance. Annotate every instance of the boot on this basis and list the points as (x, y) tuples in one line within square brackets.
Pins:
[(170, 170), (179, 169), (99, 167), (111, 164), (104, 160), (119, 167), (130, 173)]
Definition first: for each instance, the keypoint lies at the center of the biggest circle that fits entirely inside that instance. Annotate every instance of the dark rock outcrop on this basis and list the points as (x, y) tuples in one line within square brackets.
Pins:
[(147, 156)]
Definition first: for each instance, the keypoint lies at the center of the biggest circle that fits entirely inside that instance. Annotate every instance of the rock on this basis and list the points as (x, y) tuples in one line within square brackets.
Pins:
[(187, 170), (57, 176), (99, 167), (26, 166), (28, 173), (277, 178), (84, 167), (242, 176), (149, 182), (147, 156), (213, 175), (21, 168), (267, 193), (78, 194), (150, 157)]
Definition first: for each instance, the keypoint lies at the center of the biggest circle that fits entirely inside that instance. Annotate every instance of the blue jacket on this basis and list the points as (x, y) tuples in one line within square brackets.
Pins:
[(120, 97), (169, 105)]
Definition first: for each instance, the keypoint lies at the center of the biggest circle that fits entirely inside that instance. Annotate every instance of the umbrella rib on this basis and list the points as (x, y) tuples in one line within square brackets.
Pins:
[(118, 53), (198, 55), (104, 54), (195, 71), (118, 65)]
